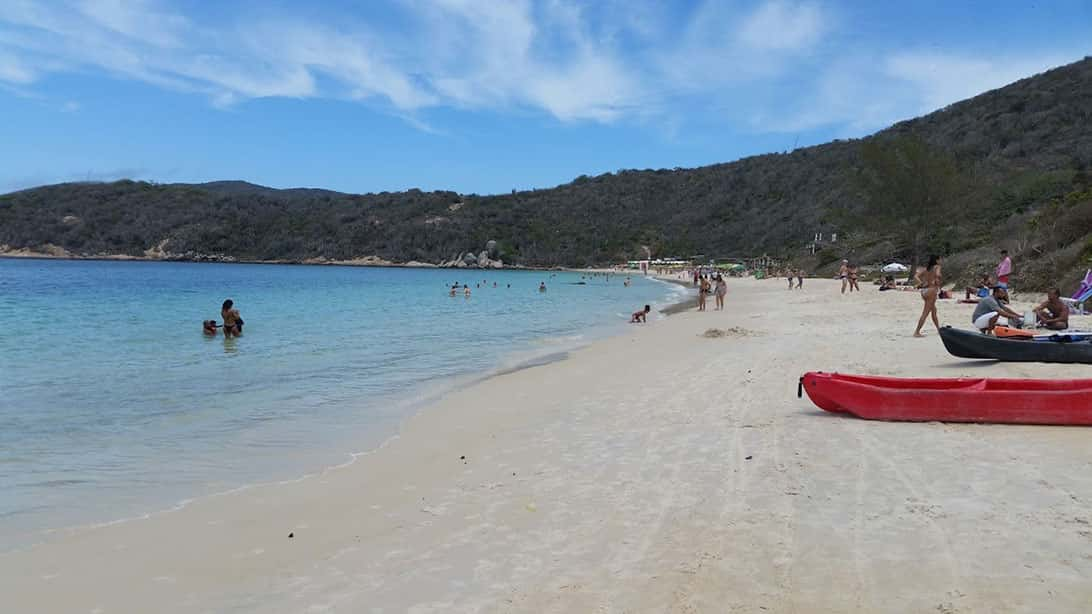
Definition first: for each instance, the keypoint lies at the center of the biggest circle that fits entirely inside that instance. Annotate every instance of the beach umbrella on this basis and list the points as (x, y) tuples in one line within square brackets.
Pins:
[(895, 267)]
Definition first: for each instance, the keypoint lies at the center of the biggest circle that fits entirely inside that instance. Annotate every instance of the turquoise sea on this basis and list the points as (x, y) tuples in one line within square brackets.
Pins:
[(113, 404)]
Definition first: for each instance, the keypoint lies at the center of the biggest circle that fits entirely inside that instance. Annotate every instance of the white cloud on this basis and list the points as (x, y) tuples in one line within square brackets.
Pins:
[(862, 95), (783, 26), (137, 19), (513, 55), (768, 62), (942, 79), (13, 70)]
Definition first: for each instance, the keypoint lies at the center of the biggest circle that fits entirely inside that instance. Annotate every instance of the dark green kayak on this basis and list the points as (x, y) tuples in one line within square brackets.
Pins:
[(973, 344)]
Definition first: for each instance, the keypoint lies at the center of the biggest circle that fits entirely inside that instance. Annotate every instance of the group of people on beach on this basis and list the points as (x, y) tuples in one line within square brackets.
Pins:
[(797, 274), (848, 273), (233, 322), (715, 285), (991, 299)]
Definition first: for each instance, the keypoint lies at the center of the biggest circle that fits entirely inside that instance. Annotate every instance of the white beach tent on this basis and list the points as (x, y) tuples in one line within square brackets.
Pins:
[(895, 267)]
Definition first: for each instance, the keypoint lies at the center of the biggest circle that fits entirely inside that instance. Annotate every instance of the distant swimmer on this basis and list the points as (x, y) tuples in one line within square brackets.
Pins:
[(466, 290), (639, 317), (233, 323), (627, 282), (209, 327), (542, 287)]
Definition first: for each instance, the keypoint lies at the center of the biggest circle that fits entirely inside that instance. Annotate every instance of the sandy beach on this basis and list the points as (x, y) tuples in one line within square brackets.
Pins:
[(660, 471)]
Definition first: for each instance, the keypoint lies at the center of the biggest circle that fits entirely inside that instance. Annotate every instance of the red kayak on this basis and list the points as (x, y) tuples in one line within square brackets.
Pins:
[(1007, 401)]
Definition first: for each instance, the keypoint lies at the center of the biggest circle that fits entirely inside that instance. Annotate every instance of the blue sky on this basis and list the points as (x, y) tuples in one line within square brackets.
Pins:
[(479, 96)]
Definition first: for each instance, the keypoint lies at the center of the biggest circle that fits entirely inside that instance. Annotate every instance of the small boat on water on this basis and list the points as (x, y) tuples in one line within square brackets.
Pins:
[(1004, 401), (1055, 348)]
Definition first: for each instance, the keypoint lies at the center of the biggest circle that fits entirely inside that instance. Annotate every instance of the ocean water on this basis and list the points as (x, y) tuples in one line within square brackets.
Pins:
[(113, 404)]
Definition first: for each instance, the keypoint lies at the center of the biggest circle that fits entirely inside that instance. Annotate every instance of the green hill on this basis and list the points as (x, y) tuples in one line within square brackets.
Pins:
[(1020, 157)]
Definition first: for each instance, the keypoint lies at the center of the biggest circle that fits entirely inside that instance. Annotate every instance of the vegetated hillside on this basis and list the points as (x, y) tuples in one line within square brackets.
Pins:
[(1022, 154)]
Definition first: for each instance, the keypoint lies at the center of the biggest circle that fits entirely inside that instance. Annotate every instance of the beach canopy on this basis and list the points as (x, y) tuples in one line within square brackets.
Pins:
[(895, 267)]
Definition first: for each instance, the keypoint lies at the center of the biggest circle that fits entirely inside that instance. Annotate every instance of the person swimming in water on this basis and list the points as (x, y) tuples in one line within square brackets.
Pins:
[(466, 290), (640, 317), (233, 323), (542, 287), (209, 327)]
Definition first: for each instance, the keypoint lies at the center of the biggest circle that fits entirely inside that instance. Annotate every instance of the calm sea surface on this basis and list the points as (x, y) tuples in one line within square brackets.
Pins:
[(113, 404)]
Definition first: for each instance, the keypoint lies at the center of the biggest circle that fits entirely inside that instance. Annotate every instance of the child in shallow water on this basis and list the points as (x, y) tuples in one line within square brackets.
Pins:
[(209, 327), (640, 316)]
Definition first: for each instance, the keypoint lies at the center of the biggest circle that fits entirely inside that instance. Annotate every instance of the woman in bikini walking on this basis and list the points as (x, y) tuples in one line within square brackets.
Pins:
[(929, 283)]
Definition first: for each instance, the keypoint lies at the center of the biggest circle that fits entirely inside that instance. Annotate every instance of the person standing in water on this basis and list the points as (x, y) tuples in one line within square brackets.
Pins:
[(929, 282), (233, 323), (542, 286)]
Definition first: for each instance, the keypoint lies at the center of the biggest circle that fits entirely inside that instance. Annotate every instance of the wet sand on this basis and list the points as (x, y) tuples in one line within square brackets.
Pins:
[(660, 470)]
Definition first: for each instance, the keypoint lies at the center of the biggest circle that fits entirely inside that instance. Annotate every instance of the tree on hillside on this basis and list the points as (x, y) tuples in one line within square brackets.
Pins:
[(909, 189)]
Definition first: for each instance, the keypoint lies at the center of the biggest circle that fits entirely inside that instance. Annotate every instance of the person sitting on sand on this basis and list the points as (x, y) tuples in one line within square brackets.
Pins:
[(889, 284), (233, 323), (209, 327), (1053, 313), (990, 309), (640, 316), (980, 291)]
